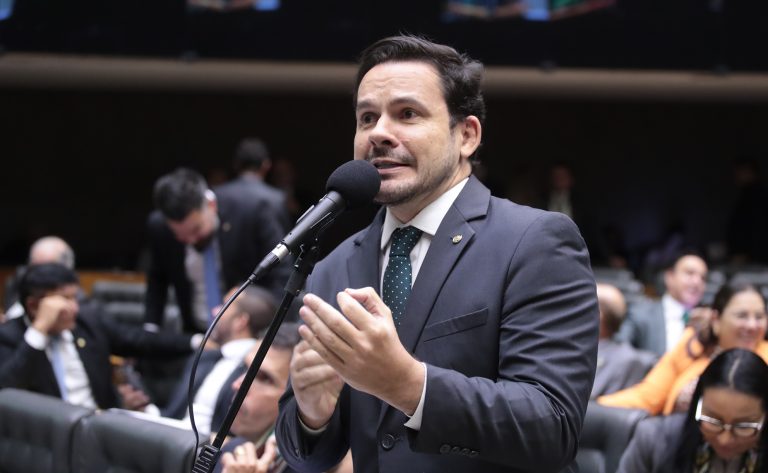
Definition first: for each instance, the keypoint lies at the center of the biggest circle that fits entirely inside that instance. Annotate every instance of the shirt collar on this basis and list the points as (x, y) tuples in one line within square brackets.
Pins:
[(237, 349), (428, 220), (672, 306)]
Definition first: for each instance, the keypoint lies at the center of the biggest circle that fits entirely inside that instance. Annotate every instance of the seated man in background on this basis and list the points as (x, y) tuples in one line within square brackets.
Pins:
[(619, 365), (657, 326), (48, 249), (60, 350), (255, 421), (200, 238), (219, 366), (254, 449)]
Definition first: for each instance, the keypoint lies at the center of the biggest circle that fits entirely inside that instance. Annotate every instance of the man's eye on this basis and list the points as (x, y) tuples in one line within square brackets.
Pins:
[(409, 114), (366, 119)]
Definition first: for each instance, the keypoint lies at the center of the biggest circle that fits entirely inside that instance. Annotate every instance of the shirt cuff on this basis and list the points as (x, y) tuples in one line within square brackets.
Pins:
[(309, 430), (36, 339), (414, 422)]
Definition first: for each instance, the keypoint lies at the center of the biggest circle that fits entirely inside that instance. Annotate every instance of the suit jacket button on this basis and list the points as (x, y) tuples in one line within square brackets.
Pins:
[(455, 450), (465, 451), (388, 441), (445, 448), (473, 454)]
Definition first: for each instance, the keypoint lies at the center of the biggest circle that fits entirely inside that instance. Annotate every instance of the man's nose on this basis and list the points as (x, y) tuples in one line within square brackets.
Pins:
[(382, 134)]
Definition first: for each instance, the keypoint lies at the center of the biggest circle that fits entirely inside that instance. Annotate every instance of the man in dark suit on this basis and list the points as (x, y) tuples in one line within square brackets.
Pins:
[(656, 326), (619, 364), (203, 240), (252, 164), (235, 335), (60, 349), (488, 364)]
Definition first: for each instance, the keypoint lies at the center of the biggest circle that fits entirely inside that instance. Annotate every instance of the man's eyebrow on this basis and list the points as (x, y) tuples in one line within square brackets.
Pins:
[(404, 100)]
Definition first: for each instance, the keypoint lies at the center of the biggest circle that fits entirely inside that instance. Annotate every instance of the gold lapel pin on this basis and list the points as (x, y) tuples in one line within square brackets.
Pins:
[(226, 226), (81, 342), (456, 239)]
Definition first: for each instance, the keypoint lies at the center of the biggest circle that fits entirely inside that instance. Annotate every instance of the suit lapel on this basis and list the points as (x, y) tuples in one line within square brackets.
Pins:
[(453, 235), (363, 264)]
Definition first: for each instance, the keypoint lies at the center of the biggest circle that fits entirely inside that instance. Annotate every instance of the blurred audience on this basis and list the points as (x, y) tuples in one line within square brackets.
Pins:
[(201, 238), (48, 249), (61, 349), (723, 430), (747, 232), (220, 364), (657, 326), (251, 164), (562, 195), (737, 319), (619, 365)]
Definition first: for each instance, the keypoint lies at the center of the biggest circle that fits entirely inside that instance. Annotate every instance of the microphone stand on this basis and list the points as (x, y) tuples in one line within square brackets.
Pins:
[(305, 263)]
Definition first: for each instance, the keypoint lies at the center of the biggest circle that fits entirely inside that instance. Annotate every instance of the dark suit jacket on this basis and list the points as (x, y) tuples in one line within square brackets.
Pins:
[(654, 445), (177, 405), (506, 320), (619, 366), (249, 228), (24, 367), (645, 328)]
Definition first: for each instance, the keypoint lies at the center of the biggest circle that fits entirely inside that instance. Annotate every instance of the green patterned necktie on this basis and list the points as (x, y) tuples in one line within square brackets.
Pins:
[(397, 277)]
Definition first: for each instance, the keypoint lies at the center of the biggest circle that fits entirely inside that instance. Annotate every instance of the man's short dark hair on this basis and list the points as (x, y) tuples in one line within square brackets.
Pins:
[(251, 153), (40, 279), (260, 306), (679, 255), (179, 193), (287, 336), (460, 75)]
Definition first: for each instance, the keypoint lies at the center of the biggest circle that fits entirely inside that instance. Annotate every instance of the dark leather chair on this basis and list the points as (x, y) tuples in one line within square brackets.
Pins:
[(606, 434), (114, 441), (36, 432)]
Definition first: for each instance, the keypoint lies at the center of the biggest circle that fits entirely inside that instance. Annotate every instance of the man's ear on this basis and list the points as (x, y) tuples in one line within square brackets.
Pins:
[(471, 134)]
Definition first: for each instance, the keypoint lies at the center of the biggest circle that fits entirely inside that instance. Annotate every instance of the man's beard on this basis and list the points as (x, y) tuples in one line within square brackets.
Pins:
[(406, 191)]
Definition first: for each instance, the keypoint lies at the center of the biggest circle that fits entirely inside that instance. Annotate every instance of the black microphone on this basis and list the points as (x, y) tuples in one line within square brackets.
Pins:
[(352, 184)]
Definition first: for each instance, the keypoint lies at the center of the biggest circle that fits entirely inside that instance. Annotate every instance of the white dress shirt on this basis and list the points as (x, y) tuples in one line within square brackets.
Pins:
[(78, 386), (673, 319), (204, 403)]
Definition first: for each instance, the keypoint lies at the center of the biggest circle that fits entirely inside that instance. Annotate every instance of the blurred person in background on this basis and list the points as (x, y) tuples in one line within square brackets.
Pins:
[(619, 364), (48, 249), (657, 326), (202, 240), (61, 349), (723, 430), (737, 320), (221, 361)]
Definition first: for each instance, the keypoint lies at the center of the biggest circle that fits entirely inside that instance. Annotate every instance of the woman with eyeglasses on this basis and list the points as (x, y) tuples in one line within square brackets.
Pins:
[(723, 431), (737, 319)]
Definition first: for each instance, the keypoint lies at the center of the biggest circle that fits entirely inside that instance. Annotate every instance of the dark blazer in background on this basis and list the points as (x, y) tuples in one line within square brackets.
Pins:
[(654, 445), (645, 328), (619, 366), (505, 317), (249, 228), (96, 337)]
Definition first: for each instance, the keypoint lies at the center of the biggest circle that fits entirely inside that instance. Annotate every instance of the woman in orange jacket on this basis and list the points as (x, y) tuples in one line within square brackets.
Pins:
[(737, 320)]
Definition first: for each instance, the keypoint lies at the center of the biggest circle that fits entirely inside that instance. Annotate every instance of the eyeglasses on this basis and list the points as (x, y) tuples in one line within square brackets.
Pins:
[(716, 426)]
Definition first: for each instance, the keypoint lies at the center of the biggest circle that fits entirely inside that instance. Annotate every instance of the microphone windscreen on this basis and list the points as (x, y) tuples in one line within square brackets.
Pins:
[(357, 181)]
